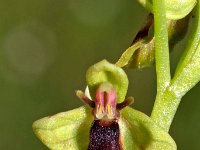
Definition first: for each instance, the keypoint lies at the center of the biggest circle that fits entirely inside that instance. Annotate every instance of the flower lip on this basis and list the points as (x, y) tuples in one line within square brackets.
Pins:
[(105, 136)]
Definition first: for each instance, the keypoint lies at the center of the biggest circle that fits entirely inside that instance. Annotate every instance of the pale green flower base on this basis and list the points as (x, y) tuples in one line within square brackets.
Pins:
[(70, 130)]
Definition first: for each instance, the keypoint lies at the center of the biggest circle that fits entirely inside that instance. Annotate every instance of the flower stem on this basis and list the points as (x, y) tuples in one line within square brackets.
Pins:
[(170, 92), (161, 47), (162, 58)]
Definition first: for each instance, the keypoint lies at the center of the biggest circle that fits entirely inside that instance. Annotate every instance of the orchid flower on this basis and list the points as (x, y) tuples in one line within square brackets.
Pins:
[(106, 106)]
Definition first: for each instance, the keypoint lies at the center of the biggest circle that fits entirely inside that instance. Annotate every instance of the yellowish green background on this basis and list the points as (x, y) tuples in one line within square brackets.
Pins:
[(46, 47)]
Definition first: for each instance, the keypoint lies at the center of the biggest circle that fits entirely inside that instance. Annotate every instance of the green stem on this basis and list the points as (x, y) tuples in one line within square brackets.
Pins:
[(192, 44), (161, 47), (165, 109), (162, 58), (186, 76)]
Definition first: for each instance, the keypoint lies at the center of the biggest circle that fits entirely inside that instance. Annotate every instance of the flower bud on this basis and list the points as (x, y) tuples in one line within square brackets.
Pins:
[(175, 9)]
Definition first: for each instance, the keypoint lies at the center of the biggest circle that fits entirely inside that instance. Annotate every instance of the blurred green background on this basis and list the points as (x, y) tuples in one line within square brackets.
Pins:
[(46, 47)]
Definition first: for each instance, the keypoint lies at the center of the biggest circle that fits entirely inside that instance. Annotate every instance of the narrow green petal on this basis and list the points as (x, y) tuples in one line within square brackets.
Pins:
[(104, 71), (138, 131), (65, 131)]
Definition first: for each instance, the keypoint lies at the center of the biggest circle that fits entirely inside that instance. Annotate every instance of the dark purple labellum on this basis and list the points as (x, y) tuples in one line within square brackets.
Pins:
[(104, 132), (104, 136)]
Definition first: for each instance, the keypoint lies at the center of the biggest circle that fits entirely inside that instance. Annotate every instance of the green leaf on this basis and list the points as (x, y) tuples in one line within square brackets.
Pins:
[(104, 71), (65, 131), (138, 131)]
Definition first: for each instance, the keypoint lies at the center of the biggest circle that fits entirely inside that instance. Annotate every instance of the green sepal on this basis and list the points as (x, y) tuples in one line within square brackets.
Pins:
[(65, 131), (104, 71), (138, 131), (70, 130)]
